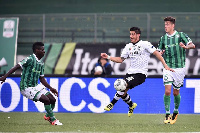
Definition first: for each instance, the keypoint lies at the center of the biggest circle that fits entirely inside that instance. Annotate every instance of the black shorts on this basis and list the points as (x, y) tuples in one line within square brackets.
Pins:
[(134, 79)]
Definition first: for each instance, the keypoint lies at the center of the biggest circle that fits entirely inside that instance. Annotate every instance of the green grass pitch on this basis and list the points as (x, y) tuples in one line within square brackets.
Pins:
[(91, 122)]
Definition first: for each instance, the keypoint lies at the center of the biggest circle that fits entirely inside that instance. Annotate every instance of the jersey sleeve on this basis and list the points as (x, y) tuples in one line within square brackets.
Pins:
[(25, 62), (185, 38), (124, 53), (149, 47), (160, 44), (42, 71)]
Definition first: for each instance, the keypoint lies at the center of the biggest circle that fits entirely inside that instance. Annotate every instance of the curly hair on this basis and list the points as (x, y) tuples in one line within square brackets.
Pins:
[(37, 45)]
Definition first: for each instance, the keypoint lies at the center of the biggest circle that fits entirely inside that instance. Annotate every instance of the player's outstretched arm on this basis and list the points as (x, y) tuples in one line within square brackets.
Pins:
[(44, 82), (114, 59), (158, 55), (12, 70), (189, 46)]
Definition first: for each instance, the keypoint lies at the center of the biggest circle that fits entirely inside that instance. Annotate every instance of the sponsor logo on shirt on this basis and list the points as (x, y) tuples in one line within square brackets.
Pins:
[(171, 45), (33, 70)]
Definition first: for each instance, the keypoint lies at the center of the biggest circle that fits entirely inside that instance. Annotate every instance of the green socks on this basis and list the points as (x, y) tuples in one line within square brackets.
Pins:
[(49, 110), (52, 106), (177, 100), (167, 104)]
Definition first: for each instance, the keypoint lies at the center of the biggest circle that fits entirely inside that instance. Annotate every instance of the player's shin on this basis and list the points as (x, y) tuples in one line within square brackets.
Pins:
[(117, 96), (177, 100), (52, 106), (127, 99), (49, 112), (167, 104)]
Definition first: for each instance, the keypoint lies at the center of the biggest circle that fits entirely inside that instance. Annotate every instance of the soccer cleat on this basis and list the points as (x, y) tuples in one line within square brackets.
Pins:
[(130, 112), (47, 118), (174, 118), (56, 122), (167, 118), (109, 107)]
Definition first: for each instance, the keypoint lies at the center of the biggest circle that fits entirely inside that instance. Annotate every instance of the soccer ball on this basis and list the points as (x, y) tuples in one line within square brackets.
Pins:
[(120, 85), (98, 69)]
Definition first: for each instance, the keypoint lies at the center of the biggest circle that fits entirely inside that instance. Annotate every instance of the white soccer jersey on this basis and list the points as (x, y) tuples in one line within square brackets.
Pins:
[(139, 55)]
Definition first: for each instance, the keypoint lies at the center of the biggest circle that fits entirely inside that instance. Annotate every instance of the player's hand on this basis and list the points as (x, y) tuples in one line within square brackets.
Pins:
[(162, 52), (182, 45), (54, 91), (104, 55), (168, 68), (2, 79)]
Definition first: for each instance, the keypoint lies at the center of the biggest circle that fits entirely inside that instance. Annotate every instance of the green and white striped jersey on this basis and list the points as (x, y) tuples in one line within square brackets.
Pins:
[(174, 55), (32, 70)]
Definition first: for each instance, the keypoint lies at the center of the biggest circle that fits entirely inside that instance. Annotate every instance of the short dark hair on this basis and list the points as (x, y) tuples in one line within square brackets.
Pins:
[(136, 29), (37, 45), (171, 19)]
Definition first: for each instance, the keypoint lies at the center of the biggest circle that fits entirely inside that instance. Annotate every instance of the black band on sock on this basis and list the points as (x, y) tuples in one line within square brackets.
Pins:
[(114, 101), (130, 104)]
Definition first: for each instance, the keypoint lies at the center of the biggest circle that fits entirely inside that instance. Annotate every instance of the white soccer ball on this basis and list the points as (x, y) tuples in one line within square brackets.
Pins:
[(98, 69), (120, 85)]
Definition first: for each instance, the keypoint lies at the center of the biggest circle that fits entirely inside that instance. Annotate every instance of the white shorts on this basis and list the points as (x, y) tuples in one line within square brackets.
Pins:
[(174, 78), (34, 93)]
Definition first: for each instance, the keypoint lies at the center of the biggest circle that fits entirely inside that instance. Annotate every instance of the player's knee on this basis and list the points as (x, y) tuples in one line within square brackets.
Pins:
[(167, 93), (52, 100), (44, 99), (175, 93)]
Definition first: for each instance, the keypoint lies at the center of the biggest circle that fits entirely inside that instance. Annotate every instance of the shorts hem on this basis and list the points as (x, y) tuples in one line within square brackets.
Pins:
[(168, 83)]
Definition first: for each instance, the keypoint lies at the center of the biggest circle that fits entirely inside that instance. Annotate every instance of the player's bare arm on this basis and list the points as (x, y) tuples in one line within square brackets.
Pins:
[(158, 55), (12, 70), (114, 59), (189, 46), (44, 82), (162, 52)]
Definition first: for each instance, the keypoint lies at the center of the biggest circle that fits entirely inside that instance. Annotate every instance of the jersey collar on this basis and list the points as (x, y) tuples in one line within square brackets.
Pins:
[(136, 42), (36, 58), (171, 34)]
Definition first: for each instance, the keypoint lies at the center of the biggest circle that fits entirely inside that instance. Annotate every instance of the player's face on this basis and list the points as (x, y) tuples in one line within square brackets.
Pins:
[(40, 52), (169, 27), (103, 61), (134, 37)]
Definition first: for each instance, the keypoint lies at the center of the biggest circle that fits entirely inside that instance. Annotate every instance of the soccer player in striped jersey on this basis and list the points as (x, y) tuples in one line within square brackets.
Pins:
[(139, 53), (33, 69), (173, 46)]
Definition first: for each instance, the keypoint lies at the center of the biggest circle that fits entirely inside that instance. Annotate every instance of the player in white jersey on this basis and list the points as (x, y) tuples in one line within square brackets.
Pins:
[(139, 53)]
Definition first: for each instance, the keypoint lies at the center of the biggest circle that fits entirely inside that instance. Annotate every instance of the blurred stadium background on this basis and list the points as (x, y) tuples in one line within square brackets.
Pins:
[(95, 27), (99, 22)]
